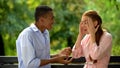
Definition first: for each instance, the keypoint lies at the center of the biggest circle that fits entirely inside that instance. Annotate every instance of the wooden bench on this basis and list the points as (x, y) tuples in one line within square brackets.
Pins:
[(12, 62)]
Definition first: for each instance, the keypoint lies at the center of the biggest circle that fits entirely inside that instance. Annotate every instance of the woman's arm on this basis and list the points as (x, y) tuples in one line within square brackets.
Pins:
[(77, 49), (104, 47)]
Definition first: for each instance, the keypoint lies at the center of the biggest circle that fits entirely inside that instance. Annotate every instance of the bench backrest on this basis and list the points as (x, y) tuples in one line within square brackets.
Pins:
[(12, 62)]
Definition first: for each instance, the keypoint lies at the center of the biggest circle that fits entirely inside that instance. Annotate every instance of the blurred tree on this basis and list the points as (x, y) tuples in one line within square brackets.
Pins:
[(67, 15), (2, 52), (15, 15), (13, 18), (14, 11)]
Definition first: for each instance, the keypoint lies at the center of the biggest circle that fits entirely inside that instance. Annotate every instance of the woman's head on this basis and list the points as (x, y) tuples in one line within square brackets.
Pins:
[(94, 16), (96, 21)]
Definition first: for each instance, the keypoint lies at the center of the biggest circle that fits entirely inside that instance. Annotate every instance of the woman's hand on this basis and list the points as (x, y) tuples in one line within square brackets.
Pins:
[(81, 29), (91, 28)]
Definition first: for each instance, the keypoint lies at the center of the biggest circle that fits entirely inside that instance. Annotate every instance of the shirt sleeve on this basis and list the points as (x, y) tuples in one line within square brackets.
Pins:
[(28, 52), (104, 47)]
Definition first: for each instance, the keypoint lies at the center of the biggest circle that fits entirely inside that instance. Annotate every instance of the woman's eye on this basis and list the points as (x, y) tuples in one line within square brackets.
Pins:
[(85, 22)]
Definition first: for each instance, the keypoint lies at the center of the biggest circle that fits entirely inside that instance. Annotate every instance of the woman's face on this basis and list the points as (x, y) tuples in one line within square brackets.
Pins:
[(84, 24), (84, 21)]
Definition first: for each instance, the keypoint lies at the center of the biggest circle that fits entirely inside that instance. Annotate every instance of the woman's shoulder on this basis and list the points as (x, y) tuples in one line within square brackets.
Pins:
[(107, 34)]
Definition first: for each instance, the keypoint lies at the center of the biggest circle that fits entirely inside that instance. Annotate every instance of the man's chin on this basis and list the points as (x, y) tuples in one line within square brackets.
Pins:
[(49, 28)]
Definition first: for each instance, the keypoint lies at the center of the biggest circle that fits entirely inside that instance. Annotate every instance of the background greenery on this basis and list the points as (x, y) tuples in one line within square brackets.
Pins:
[(15, 15)]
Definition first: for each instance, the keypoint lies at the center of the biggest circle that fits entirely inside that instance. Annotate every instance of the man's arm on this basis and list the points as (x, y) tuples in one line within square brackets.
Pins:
[(62, 57), (59, 59)]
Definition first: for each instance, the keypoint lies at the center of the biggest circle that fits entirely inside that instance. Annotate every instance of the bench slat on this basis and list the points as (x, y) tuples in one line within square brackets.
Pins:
[(12, 62), (63, 66), (13, 59), (115, 59), (8, 59)]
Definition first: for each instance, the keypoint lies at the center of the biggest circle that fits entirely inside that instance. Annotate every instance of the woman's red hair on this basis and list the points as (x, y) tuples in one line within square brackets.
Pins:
[(95, 17)]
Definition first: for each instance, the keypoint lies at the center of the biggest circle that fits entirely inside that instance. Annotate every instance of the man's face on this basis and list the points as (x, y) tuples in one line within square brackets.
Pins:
[(48, 20)]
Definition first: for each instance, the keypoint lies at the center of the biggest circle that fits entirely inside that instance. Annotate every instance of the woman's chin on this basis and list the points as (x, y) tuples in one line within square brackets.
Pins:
[(86, 32)]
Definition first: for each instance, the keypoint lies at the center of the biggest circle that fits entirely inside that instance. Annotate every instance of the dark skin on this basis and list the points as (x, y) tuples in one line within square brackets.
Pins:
[(46, 22), (62, 57)]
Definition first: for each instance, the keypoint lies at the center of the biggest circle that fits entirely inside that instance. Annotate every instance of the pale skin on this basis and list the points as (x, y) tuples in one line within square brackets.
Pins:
[(46, 22), (87, 26), (91, 29)]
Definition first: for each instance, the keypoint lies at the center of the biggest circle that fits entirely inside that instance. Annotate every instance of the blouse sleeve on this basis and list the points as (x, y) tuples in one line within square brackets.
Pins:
[(104, 47), (77, 52)]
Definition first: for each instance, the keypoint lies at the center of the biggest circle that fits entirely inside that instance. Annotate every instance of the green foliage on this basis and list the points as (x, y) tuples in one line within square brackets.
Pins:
[(66, 23), (116, 50), (15, 15)]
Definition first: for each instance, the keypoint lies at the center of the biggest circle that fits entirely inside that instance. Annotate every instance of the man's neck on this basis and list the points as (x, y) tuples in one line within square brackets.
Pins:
[(40, 27)]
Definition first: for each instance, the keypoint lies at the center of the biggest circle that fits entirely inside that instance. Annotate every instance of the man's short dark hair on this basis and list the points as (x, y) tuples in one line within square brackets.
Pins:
[(40, 11)]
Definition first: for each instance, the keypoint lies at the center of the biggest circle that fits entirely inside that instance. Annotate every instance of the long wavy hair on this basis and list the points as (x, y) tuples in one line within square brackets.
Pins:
[(95, 17)]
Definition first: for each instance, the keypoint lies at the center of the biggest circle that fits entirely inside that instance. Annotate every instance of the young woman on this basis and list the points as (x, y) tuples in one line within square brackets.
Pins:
[(93, 42)]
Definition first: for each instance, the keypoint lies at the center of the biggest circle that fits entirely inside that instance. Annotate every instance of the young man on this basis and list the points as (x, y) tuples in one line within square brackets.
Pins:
[(33, 43)]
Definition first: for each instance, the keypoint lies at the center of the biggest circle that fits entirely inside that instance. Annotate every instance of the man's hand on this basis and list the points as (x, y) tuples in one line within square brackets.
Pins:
[(66, 52), (63, 59), (63, 56)]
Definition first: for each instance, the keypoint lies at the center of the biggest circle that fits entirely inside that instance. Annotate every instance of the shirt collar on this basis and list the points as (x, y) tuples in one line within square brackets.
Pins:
[(34, 28)]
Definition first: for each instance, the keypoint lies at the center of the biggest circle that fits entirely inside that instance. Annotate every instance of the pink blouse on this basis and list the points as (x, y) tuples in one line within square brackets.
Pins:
[(100, 53)]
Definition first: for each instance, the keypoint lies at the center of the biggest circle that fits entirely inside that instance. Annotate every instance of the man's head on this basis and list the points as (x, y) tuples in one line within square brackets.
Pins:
[(44, 17)]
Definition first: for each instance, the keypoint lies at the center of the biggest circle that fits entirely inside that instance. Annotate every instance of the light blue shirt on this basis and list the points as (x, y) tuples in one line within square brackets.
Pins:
[(32, 46)]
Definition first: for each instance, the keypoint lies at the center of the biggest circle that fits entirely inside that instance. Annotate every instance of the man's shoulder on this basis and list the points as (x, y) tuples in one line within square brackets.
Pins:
[(26, 31)]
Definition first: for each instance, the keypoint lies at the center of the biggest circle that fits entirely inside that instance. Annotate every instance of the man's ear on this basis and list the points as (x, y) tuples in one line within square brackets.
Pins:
[(41, 19)]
